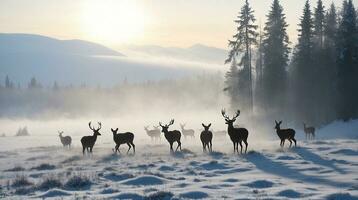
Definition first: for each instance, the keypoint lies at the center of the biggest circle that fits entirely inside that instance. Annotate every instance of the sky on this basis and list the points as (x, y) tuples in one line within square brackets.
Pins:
[(114, 23)]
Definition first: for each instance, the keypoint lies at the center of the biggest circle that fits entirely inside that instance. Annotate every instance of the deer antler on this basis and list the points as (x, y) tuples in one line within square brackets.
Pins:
[(160, 124), (60, 132), (99, 126), (237, 114), (171, 122), (224, 115), (89, 124)]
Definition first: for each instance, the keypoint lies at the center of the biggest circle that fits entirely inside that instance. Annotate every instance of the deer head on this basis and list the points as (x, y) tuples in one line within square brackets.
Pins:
[(60, 133), (229, 121), (182, 125), (95, 131), (206, 127), (146, 128), (165, 127), (277, 127), (114, 131)]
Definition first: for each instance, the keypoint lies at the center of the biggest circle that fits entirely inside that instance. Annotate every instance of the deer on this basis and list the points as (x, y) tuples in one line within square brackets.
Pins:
[(206, 137), (65, 140), (309, 131), (153, 134), (237, 135), (171, 136), (89, 141), (187, 132), (123, 138), (285, 134)]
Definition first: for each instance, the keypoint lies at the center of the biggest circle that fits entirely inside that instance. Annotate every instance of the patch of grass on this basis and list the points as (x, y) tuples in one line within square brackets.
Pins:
[(77, 182), (49, 183), (15, 169), (44, 166), (24, 190), (21, 181)]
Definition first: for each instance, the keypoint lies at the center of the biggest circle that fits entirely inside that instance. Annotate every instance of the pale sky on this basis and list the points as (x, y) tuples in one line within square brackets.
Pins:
[(113, 23)]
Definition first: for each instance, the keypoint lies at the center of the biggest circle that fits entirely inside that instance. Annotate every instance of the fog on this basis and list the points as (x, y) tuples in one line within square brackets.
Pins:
[(129, 106)]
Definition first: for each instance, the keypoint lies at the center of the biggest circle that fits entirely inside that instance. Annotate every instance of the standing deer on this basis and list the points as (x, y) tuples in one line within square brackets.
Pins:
[(171, 136), (66, 141), (309, 131), (153, 134), (206, 137), (187, 132), (123, 138), (89, 141), (237, 135), (285, 134)]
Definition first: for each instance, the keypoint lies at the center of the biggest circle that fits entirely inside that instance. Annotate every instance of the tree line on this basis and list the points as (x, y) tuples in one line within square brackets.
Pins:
[(315, 81)]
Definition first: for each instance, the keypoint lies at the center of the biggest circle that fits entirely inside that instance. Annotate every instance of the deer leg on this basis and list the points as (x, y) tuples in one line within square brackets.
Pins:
[(203, 146), (179, 145), (171, 147), (240, 148), (133, 146), (129, 147), (246, 144), (294, 140), (290, 142), (83, 150), (211, 147)]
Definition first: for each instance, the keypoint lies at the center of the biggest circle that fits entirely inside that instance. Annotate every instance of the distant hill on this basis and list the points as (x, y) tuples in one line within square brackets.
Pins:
[(29, 43), (197, 52)]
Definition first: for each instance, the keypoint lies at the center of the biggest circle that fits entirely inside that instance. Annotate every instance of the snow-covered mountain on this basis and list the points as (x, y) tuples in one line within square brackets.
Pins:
[(23, 56)]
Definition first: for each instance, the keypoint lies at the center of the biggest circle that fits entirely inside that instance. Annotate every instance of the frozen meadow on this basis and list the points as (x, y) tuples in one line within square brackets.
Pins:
[(38, 167)]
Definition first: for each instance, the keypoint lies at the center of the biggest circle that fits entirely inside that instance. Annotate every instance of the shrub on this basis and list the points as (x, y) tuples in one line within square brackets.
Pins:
[(78, 182), (49, 183), (21, 181)]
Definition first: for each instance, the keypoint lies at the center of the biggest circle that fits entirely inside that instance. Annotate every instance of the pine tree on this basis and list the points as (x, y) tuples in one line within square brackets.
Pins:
[(303, 73), (241, 44), (347, 60), (231, 84), (7, 82), (275, 50), (319, 23)]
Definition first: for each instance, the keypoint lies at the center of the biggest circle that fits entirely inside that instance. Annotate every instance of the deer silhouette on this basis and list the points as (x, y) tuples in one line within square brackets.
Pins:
[(153, 134), (187, 132), (123, 138), (171, 136), (89, 141), (285, 134), (206, 137), (65, 140), (237, 135), (309, 131)]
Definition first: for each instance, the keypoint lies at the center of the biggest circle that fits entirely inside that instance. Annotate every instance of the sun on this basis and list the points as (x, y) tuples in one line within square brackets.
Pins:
[(117, 21)]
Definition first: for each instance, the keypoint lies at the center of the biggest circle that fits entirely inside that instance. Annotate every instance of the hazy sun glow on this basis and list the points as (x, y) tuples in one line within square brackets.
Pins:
[(113, 20)]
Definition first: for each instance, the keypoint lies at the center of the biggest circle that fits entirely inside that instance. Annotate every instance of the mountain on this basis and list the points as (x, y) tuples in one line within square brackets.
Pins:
[(23, 56), (29, 43), (197, 52)]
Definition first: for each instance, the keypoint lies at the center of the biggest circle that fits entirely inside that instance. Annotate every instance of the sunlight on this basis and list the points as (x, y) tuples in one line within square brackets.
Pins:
[(113, 20)]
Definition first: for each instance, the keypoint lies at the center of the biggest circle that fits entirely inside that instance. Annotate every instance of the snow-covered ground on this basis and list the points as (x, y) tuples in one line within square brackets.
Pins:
[(37, 166)]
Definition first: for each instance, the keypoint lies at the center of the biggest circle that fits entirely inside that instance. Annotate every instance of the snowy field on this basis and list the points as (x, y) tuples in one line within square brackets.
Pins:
[(38, 167)]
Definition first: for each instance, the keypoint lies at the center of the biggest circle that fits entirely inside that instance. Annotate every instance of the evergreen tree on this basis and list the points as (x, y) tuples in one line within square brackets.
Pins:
[(326, 60), (231, 84), (259, 69), (275, 50), (241, 45), (347, 60), (319, 23), (303, 72), (7, 82)]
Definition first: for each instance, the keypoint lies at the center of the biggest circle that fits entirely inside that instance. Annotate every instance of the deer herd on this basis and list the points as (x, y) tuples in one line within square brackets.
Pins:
[(237, 135)]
